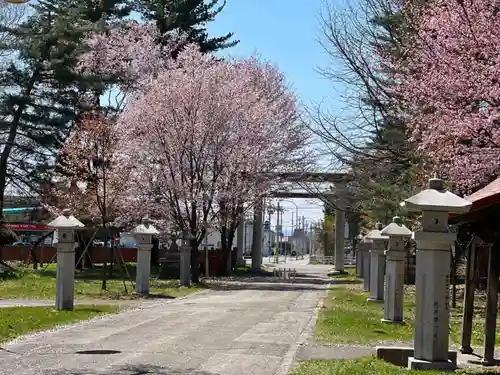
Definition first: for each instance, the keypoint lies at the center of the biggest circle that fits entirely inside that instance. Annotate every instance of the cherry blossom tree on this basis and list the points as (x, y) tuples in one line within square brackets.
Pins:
[(448, 79), (91, 178), (203, 130), (91, 175), (126, 54)]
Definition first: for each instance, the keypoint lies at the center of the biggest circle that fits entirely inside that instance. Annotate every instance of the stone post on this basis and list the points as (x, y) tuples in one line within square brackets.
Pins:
[(377, 263), (433, 274), (395, 271), (359, 257), (143, 235), (185, 261), (65, 268), (257, 235), (240, 238), (339, 228), (364, 248)]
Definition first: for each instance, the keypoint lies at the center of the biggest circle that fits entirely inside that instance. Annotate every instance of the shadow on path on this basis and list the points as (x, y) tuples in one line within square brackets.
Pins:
[(129, 370)]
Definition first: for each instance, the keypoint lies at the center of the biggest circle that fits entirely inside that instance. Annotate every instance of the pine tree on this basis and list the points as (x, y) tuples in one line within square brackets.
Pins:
[(189, 17), (42, 94), (398, 165)]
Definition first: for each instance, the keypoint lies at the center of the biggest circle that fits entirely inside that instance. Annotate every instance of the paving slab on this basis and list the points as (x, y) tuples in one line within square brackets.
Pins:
[(249, 329)]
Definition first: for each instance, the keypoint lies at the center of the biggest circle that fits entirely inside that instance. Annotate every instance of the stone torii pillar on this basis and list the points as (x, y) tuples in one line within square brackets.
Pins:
[(258, 224), (65, 269), (433, 274), (395, 271), (377, 263), (340, 207), (143, 235), (240, 237)]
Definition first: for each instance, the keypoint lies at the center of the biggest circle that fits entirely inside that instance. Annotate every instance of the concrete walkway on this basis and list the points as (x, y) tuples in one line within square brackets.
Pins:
[(252, 327)]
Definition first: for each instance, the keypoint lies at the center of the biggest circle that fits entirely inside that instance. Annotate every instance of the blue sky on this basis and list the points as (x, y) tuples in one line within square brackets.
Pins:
[(285, 32)]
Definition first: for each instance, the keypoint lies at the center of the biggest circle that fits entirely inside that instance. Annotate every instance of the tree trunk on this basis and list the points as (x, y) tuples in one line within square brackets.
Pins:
[(35, 245), (9, 144)]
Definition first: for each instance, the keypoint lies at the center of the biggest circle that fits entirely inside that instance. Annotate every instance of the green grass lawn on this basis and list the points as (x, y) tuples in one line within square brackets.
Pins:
[(370, 366), (348, 318), (41, 284), (348, 278), (17, 321)]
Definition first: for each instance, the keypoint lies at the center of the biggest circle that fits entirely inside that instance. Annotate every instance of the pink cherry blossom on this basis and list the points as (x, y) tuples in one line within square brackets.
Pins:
[(203, 130), (449, 79), (92, 173), (130, 52)]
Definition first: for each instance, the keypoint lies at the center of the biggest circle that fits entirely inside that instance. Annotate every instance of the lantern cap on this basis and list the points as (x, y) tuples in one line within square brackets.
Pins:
[(396, 228), (437, 199), (66, 220), (145, 227), (375, 234)]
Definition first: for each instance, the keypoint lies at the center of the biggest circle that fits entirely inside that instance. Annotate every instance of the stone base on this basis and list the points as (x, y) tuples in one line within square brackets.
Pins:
[(466, 350), (420, 364), (400, 322), (371, 299), (400, 355), (489, 362)]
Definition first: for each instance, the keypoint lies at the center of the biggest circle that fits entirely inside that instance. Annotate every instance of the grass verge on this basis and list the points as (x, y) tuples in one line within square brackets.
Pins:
[(17, 321), (41, 284), (349, 277), (348, 318), (371, 366)]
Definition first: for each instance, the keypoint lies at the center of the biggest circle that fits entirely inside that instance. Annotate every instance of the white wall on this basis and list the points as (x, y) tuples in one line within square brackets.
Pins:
[(214, 239)]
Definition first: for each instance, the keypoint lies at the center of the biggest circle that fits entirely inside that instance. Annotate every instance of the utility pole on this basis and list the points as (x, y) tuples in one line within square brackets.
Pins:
[(278, 211)]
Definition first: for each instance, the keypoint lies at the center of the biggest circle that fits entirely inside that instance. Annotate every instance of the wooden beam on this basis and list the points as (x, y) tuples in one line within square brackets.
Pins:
[(490, 324), (470, 286)]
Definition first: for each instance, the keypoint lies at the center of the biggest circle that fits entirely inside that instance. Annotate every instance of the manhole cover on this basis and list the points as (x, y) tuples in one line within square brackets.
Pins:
[(102, 351)]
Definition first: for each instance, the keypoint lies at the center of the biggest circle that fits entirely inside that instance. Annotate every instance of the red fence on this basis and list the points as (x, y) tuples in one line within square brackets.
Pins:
[(98, 255)]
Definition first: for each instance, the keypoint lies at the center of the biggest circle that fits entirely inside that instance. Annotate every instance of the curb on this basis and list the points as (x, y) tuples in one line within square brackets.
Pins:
[(289, 358)]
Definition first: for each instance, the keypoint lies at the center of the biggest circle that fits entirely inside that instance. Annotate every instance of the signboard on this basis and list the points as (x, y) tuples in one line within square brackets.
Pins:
[(28, 227)]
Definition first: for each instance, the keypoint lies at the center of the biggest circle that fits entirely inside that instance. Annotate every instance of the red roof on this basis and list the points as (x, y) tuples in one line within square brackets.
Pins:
[(486, 196), (490, 190)]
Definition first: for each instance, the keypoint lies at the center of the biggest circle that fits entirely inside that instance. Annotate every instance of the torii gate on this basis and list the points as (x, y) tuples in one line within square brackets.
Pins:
[(338, 195)]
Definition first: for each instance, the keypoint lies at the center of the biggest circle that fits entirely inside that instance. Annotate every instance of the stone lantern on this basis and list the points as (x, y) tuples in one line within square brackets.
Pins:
[(143, 235), (65, 225), (359, 257), (433, 274), (377, 263), (185, 262), (395, 268), (364, 248)]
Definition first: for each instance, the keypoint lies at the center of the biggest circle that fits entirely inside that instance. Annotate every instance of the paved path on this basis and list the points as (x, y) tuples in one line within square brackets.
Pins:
[(252, 328)]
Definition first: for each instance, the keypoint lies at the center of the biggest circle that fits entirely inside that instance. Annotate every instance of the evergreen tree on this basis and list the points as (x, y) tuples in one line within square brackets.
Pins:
[(187, 16), (42, 95)]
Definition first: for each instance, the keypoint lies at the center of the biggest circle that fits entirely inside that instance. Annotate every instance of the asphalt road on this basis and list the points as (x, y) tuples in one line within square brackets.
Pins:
[(252, 328)]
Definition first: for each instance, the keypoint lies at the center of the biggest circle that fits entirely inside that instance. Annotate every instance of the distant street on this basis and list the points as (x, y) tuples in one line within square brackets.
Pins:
[(243, 327)]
